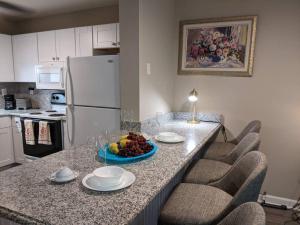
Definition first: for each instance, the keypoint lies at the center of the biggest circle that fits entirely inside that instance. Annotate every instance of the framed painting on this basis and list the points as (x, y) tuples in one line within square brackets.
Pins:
[(222, 46)]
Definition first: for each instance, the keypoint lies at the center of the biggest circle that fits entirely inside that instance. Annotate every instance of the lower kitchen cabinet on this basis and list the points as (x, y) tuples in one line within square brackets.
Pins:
[(17, 140), (6, 149)]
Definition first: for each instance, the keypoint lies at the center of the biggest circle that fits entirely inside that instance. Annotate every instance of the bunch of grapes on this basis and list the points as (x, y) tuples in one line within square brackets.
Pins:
[(136, 146)]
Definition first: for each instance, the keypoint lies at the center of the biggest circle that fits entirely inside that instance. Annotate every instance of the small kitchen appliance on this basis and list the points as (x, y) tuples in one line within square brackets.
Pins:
[(23, 103), (10, 102)]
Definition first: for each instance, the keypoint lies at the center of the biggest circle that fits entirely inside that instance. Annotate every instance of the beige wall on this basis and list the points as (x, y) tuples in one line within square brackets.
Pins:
[(272, 95), (102, 15), (6, 27), (157, 26), (129, 55)]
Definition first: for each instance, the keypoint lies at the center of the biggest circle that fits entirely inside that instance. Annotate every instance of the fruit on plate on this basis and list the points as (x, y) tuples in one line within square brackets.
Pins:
[(114, 148), (131, 145)]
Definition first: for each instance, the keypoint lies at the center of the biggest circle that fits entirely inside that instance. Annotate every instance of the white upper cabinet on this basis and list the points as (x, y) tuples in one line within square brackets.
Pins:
[(25, 55), (105, 36), (54, 46), (84, 41), (118, 34), (65, 44), (46, 46), (6, 59)]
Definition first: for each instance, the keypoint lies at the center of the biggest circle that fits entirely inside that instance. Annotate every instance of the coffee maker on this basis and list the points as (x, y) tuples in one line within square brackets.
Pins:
[(10, 102)]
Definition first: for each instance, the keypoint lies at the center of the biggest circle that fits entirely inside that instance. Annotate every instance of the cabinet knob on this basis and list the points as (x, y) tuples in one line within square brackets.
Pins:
[(57, 58), (53, 58), (114, 44)]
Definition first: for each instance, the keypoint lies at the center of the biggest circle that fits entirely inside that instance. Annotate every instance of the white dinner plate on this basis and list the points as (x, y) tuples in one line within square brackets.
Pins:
[(127, 180), (168, 137), (63, 179)]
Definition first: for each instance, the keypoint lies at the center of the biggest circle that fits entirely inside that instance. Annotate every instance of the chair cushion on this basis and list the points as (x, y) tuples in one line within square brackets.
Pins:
[(206, 171), (218, 150), (194, 204)]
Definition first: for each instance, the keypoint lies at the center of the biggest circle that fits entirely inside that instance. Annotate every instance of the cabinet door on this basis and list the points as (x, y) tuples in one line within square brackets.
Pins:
[(6, 150), (84, 41), (46, 46), (25, 54), (65, 44), (105, 36), (18, 145), (6, 59)]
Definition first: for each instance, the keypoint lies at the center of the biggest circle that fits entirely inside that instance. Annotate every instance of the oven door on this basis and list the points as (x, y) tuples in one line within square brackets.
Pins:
[(41, 150)]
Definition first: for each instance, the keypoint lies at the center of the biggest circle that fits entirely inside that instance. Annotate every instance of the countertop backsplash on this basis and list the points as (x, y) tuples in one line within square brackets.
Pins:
[(40, 98)]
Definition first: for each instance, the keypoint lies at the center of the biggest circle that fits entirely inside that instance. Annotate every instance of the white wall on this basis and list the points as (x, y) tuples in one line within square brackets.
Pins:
[(157, 27), (272, 95), (146, 33), (129, 55)]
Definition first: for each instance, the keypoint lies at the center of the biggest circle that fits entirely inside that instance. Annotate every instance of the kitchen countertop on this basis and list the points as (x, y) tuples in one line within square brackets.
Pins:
[(16, 112), (25, 113), (28, 197)]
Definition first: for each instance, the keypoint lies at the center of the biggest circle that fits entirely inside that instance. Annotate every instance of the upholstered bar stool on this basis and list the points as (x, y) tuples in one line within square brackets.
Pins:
[(220, 149), (206, 171), (203, 204), (250, 213)]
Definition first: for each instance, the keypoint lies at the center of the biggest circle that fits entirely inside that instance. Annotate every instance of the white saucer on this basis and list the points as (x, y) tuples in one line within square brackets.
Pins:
[(127, 180), (63, 179), (169, 137)]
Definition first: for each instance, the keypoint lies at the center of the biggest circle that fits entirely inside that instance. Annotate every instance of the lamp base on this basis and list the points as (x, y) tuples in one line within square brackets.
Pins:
[(193, 121)]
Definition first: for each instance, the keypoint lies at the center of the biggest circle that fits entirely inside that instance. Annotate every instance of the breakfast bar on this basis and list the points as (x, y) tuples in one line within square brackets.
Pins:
[(27, 196)]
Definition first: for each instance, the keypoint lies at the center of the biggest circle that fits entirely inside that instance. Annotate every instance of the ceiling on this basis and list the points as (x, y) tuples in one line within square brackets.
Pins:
[(40, 8)]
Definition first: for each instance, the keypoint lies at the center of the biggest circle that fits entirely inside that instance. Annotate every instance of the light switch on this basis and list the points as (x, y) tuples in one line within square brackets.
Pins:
[(148, 68)]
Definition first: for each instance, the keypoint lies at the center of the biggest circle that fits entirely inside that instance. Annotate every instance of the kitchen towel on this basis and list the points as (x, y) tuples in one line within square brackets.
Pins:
[(44, 133), (29, 134)]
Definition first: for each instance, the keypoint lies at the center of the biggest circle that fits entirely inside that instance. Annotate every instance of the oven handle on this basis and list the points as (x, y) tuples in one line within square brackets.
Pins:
[(38, 120)]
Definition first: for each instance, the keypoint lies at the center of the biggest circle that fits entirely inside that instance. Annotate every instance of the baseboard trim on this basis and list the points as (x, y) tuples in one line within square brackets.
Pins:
[(274, 200)]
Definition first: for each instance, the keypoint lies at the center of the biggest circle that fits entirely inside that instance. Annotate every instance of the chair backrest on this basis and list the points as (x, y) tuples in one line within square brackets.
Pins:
[(244, 180), (254, 127), (249, 143), (250, 213)]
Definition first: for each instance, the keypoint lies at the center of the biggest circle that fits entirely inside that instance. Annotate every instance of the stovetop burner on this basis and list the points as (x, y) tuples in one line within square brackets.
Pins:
[(35, 113), (50, 111), (56, 114)]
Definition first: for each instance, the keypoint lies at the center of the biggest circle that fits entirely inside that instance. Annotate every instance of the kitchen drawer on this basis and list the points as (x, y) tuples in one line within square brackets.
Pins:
[(5, 122)]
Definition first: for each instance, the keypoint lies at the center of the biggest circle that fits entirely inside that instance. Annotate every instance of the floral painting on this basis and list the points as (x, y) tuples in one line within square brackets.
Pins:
[(222, 47)]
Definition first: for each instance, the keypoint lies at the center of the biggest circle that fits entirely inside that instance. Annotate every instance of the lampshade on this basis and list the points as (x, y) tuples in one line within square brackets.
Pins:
[(193, 96)]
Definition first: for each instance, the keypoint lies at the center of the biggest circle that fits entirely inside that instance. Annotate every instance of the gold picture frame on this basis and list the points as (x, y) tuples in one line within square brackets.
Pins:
[(218, 46)]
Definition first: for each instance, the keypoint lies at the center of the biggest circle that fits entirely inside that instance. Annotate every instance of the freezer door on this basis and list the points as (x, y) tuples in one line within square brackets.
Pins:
[(87, 122), (95, 81)]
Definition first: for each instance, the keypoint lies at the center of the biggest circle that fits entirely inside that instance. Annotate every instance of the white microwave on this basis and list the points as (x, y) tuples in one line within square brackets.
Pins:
[(50, 76)]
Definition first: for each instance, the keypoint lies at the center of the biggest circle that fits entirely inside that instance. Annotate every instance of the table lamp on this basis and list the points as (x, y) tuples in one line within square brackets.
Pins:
[(193, 98)]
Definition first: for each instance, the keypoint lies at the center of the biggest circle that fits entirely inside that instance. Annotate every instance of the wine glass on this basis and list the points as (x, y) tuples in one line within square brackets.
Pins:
[(104, 140), (159, 120)]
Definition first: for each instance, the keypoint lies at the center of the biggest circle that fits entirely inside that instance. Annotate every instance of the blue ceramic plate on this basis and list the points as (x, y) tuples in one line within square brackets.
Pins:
[(113, 158)]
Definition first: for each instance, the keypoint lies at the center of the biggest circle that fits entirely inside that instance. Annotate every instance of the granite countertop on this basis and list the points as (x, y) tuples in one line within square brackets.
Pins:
[(28, 197)]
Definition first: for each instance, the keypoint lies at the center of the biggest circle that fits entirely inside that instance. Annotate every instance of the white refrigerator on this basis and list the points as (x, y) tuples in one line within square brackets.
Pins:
[(93, 96)]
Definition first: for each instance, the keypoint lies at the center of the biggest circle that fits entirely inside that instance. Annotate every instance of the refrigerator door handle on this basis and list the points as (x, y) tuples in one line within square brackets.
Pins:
[(69, 100)]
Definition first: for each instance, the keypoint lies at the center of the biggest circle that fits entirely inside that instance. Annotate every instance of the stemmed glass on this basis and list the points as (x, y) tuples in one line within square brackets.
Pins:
[(159, 120), (100, 142)]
